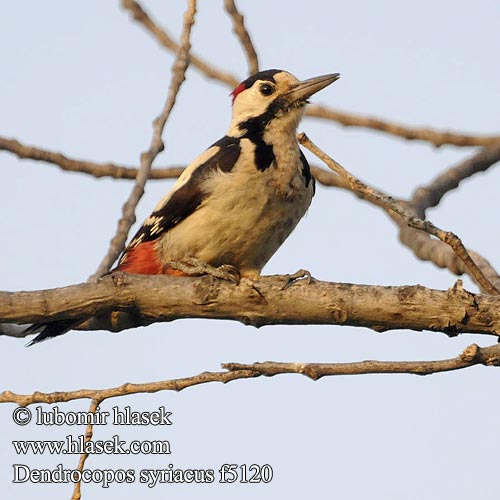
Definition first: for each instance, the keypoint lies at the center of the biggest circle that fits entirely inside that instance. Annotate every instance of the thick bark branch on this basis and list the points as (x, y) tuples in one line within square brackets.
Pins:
[(143, 300)]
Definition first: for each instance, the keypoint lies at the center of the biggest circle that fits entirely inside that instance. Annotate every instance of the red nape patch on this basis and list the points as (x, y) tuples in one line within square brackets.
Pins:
[(141, 259), (240, 88)]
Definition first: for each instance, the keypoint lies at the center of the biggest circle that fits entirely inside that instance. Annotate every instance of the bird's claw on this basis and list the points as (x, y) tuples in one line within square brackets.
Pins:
[(301, 276), (194, 267)]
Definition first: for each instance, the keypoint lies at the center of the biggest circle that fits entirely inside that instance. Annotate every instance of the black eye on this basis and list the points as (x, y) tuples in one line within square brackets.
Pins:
[(266, 89)]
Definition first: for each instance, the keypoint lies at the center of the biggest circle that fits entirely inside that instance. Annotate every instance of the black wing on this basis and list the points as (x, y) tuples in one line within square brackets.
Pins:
[(185, 199)]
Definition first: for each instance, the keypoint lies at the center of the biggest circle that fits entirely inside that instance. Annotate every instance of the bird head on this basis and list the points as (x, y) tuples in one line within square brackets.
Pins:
[(273, 96)]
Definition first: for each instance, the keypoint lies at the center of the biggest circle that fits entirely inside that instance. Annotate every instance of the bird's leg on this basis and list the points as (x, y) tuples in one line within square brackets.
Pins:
[(195, 267), (301, 276)]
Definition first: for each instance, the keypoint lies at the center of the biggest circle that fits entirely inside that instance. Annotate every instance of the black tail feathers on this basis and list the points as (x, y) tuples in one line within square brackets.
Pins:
[(49, 330)]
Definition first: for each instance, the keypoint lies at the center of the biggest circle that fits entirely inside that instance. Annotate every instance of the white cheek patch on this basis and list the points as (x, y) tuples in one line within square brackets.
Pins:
[(250, 103)]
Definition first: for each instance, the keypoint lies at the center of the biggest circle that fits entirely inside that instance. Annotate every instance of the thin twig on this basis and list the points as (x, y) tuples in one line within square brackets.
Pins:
[(472, 355), (440, 254), (397, 207), (142, 17), (94, 404), (436, 137), (95, 169), (244, 37), (124, 390), (430, 195), (426, 248), (179, 68)]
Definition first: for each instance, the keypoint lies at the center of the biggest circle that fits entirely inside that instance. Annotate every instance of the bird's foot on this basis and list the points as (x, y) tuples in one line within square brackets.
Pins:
[(301, 276), (195, 267)]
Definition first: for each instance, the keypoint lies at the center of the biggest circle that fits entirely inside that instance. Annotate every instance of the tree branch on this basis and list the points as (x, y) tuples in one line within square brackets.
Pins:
[(241, 32), (407, 215), (436, 137), (122, 301), (472, 355), (439, 253), (179, 68), (142, 17), (429, 196), (442, 255), (95, 169), (94, 404)]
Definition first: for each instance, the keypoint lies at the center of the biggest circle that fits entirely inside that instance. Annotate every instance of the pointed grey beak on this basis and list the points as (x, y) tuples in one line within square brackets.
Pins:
[(305, 89)]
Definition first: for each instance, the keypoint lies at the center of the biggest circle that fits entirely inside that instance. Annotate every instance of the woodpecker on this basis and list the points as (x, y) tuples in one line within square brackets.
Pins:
[(237, 202)]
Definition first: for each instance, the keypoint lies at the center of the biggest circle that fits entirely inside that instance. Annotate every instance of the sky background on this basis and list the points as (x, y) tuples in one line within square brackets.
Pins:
[(83, 79)]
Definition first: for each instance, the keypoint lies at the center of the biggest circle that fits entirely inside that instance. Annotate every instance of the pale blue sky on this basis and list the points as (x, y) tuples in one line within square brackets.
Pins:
[(81, 78)]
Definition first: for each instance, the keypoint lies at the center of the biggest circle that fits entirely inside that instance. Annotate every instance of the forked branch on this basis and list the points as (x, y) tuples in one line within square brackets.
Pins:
[(398, 208)]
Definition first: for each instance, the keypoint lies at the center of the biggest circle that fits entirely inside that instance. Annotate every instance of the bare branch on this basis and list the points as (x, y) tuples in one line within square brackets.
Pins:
[(94, 404), (436, 137), (244, 37), (122, 301), (329, 179), (472, 355), (442, 255), (179, 68), (142, 17), (426, 248), (430, 196), (98, 170), (390, 204), (125, 389)]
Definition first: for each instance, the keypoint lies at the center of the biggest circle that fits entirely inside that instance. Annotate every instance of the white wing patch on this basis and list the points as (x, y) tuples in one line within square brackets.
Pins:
[(186, 175)]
